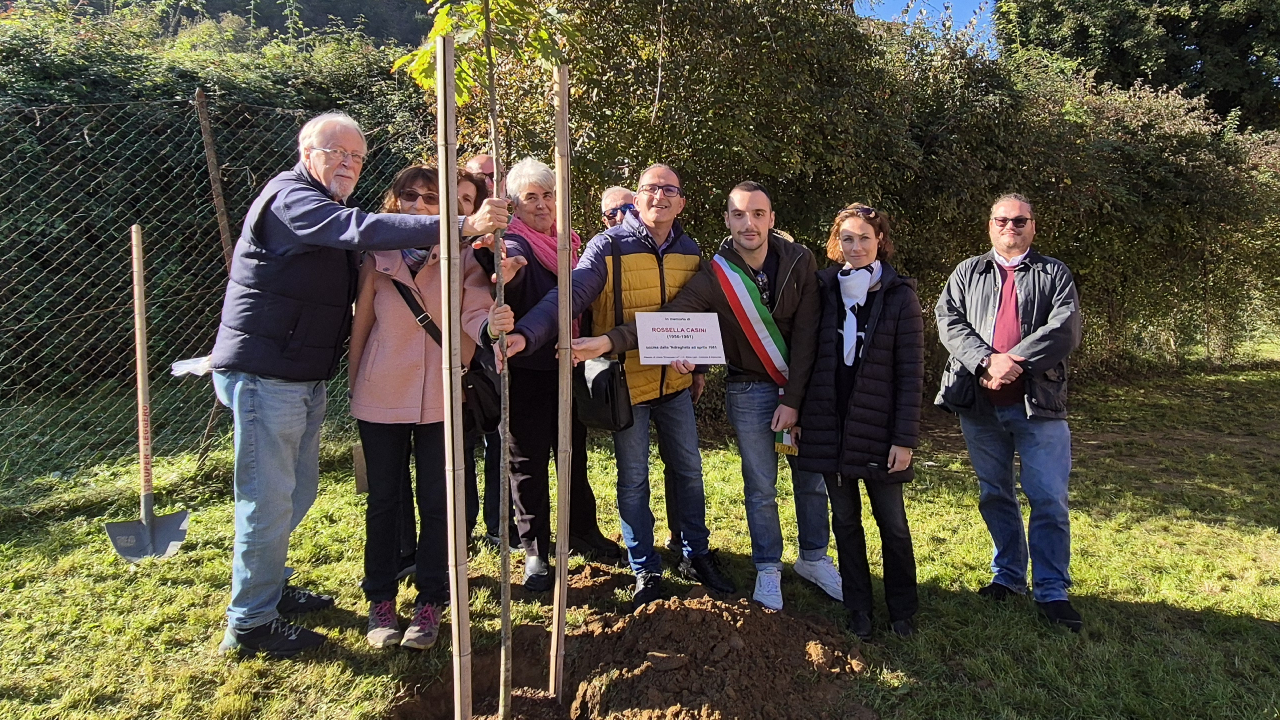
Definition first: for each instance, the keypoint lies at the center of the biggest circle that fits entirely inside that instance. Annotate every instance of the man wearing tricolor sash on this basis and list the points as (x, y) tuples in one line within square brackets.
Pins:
[(763, 286)]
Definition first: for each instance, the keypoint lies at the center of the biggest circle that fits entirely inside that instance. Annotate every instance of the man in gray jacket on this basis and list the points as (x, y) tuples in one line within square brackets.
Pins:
[(1010, 318)]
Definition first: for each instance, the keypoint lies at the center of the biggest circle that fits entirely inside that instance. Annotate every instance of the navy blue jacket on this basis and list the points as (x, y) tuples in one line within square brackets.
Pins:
[(287, 312)]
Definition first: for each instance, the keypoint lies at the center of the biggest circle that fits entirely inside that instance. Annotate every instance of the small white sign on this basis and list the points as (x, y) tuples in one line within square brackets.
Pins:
[(667, 337)]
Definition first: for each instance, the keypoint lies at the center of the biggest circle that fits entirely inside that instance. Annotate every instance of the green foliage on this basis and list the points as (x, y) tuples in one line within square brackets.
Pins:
[(521, 30), (1227, 52)]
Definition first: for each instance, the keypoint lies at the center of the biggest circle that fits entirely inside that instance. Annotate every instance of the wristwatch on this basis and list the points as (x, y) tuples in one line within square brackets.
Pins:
[(983, 364)]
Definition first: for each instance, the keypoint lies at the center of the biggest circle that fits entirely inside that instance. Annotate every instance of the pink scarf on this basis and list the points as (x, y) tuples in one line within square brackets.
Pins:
[(545, 250)]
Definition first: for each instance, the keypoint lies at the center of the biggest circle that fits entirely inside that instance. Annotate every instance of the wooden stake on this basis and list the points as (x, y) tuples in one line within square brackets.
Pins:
[(451, 359), (504, 480), (564, 456), (215, 176)]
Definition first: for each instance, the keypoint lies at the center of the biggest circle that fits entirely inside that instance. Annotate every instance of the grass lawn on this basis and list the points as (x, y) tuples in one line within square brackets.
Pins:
[(1175, 508)]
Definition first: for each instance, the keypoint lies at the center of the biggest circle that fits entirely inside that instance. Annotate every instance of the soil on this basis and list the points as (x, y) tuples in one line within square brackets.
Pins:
[(526, 704), (704, 659), (696, 658)]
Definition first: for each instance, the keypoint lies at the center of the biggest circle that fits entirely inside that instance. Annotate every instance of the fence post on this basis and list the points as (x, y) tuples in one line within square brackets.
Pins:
[(215, 174)]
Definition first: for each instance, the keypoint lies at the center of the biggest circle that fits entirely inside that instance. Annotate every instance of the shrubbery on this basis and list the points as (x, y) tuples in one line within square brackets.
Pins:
[(1167, 213)]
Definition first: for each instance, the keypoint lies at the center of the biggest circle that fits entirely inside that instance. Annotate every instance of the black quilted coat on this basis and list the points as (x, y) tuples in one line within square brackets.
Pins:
[(884, 407)]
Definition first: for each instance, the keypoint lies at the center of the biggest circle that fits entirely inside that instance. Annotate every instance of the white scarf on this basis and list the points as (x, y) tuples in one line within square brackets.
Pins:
[(854, 285)]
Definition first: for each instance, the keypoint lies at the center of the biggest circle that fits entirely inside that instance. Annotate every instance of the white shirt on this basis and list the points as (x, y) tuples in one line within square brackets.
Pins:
[(1011, 263)]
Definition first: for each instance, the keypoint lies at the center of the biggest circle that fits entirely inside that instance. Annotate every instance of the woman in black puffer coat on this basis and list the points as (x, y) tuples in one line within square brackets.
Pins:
[(861, 414)]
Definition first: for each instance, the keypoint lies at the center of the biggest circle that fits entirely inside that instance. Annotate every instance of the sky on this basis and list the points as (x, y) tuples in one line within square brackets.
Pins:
[(961, 10)]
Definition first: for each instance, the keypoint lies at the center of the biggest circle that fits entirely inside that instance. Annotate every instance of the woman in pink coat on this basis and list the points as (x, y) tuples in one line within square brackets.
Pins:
[(397, 389)]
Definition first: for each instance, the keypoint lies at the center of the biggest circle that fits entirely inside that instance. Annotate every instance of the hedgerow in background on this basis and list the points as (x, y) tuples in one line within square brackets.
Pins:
[(1167, 213)]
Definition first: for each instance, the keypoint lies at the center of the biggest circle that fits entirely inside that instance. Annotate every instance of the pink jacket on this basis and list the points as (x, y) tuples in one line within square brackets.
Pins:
[(396, 374)]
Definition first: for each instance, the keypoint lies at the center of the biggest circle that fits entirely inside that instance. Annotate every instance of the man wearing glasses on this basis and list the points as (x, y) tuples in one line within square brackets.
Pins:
[(657, 258), (615, 203), (1010, 318), (764, 288), (285, 323)]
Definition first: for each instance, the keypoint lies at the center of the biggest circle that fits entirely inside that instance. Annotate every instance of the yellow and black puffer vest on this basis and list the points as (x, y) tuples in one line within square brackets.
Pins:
[(649, 280)]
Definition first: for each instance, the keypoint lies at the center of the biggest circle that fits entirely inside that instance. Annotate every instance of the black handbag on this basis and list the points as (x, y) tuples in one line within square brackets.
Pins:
[(482, 401), (600, 389)]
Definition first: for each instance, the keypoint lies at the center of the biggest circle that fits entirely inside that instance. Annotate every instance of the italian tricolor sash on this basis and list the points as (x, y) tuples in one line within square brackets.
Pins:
[(756, 321)]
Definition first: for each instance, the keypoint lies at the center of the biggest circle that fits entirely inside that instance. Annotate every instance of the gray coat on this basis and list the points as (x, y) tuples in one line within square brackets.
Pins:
[(1050, 313)]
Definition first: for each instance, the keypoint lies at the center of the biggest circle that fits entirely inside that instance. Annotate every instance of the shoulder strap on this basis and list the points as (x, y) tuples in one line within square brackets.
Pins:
[(422, 316), (617, 287)]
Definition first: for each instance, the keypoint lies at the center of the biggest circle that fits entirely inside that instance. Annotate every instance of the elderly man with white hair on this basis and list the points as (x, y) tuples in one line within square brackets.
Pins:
[(615, 203), (285, 323), (535, 388)]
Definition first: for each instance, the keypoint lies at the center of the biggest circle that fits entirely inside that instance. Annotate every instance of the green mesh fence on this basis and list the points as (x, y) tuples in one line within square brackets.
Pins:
[(73, 179)]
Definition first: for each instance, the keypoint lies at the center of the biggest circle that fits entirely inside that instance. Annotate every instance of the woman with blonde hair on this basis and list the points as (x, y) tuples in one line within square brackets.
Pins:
[(397, 388), (861, 414)]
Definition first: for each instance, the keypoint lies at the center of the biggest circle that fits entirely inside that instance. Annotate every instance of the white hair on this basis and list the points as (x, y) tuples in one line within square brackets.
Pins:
[(307, 135), (526, 173), (605, 205)]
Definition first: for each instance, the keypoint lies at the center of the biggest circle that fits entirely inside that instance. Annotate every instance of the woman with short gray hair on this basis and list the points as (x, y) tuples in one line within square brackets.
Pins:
[(535, 388)]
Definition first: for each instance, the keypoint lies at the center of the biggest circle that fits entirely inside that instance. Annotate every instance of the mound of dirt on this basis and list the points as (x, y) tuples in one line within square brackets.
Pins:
[(702, 659)]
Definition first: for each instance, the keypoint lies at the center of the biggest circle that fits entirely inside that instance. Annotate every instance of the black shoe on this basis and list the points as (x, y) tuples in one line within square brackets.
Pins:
[(537, 574), (514, 543), (675, 544), (706, 570), (648, 589), (860, 624), (408, 567), (1060, 612), (598, 548), (277, 639), (997, 592), (904, 628), (295, 601)]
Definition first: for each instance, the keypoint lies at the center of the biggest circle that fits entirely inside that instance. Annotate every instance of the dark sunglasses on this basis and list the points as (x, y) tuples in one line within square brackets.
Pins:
[(1018, 222), (613, 214), (411, 196), (865, 212)]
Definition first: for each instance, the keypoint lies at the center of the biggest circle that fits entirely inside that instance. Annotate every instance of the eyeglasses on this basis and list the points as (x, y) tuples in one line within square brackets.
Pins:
[(411, 196), (667, 190), (355, 158), (865, 212), (613, 214), (1018, 222)]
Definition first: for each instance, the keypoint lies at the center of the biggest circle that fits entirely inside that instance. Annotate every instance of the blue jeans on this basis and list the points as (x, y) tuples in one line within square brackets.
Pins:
[(678, 438), (277, 474), (750, 406), (1044, 445)]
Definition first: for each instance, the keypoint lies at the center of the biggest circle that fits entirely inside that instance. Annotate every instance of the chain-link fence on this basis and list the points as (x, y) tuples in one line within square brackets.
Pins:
[(72, 181)]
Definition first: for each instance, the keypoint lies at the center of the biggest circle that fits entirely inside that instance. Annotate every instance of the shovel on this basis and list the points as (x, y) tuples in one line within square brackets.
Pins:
[(153, 535)]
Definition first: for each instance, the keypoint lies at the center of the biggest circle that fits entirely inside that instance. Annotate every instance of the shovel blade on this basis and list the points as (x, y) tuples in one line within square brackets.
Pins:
[(133, 541)]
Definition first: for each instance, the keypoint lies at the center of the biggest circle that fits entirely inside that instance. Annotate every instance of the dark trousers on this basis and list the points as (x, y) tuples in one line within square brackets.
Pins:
[(669, 484), (408, 522), (492, 478), (386, 451), (534, 427), (895, 545)]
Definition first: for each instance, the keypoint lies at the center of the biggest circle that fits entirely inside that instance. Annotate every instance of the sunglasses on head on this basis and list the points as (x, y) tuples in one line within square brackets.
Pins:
[(613, 214), (411, 196), (865, 212), (1018, 222)]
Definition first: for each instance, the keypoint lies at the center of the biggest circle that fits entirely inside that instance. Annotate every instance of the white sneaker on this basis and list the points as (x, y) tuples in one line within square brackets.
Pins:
[(823, 574), (769, 588)]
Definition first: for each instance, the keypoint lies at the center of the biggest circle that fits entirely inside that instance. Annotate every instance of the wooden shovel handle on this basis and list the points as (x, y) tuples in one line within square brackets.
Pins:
[(140, 344)]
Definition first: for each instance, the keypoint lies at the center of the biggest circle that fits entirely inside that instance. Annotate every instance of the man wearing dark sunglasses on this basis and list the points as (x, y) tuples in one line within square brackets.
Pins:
[(615, 203), (1010, 318)]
